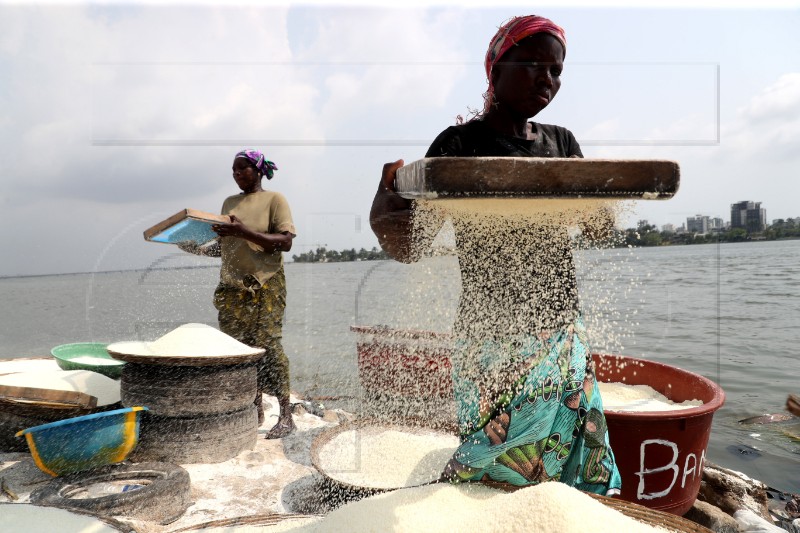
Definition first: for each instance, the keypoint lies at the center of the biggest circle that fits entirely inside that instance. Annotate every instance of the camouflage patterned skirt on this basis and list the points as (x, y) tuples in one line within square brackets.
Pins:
[(255, 317)]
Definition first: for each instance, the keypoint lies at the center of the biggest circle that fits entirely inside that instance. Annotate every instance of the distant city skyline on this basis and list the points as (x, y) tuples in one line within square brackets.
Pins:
[(752, 217)]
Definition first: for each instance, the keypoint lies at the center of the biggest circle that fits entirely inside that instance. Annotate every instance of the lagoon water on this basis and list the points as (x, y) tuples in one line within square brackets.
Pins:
[(728, 312)]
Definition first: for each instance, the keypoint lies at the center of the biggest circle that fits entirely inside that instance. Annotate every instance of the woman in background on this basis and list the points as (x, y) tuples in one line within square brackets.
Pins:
[(251, 295)]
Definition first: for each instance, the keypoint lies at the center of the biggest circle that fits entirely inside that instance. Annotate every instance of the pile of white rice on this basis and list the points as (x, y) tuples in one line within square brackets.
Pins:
[(188, 340), (639, 398), (386, 457), (546, 508)]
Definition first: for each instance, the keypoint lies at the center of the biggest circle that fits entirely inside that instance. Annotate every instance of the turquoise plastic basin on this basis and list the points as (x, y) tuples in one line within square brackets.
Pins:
[(84, 442)]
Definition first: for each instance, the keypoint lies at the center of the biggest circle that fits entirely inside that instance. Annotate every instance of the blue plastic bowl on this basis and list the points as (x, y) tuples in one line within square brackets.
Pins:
[(84, 442)]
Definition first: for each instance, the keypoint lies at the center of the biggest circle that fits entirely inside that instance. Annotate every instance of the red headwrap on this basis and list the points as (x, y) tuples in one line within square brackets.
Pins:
[(511, 33)]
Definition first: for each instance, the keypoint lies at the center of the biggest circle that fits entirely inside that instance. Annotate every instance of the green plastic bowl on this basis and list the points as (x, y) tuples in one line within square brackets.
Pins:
[(79, 355)]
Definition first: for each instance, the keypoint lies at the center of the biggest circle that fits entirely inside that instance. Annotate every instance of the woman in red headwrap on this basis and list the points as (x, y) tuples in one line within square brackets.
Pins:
[(529, 409)]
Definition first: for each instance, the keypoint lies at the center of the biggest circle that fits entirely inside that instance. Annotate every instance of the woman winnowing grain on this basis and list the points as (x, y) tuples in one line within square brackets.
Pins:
[(251, 295), (529, 409)]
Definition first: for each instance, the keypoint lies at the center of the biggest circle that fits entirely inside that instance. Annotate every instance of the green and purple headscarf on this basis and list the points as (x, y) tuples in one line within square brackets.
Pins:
[(265, 166)]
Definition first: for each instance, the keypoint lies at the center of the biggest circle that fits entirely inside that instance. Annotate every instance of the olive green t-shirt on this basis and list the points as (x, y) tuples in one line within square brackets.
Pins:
[(244, 262)]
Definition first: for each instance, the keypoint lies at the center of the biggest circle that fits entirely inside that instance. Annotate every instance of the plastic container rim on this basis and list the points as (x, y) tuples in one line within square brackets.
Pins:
[(693, 412), (68, 421), (56, 349)]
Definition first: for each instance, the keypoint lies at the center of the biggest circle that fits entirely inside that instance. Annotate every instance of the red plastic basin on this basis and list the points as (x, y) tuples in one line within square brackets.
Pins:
[(660, 454)]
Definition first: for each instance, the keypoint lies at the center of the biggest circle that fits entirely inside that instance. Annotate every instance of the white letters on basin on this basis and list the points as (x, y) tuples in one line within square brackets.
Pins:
[(691, 468)]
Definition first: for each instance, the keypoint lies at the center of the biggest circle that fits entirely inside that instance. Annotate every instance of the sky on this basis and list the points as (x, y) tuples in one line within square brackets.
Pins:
[(114, 116)]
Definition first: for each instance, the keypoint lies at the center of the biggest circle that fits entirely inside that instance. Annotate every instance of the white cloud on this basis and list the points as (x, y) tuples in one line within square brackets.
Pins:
[(131, 74), (768, 127), (84, 80), (606, 129), (385, 60), (778, 102)]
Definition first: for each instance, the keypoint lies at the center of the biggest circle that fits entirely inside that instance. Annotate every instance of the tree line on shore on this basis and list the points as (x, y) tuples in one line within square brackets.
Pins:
[(644, 235), (649, 235), (323, 255)]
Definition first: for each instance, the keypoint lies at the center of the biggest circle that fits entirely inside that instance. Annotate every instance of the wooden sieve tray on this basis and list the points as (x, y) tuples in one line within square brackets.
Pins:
[(537, 177), (187, 225)]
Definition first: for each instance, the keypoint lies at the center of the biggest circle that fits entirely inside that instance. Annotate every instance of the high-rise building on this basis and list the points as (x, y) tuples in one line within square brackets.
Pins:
[(699, 224), (749, 216)]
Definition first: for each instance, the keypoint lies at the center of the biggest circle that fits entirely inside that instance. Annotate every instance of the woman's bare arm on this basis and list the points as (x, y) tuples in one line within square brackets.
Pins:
[(392, 220)]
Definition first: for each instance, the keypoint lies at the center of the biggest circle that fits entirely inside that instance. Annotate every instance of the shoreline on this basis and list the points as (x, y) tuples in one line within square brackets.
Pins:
[(439, 253)]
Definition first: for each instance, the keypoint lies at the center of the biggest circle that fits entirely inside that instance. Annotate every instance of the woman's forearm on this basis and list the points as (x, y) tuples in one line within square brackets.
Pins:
[(270, 242), (394, 233)]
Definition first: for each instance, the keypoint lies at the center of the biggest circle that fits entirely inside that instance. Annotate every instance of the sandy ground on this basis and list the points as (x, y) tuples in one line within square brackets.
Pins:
[(263, 480)]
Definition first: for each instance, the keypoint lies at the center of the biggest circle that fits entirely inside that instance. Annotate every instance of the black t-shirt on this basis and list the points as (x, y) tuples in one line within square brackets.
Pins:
[(517, 276), (476, 139)]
